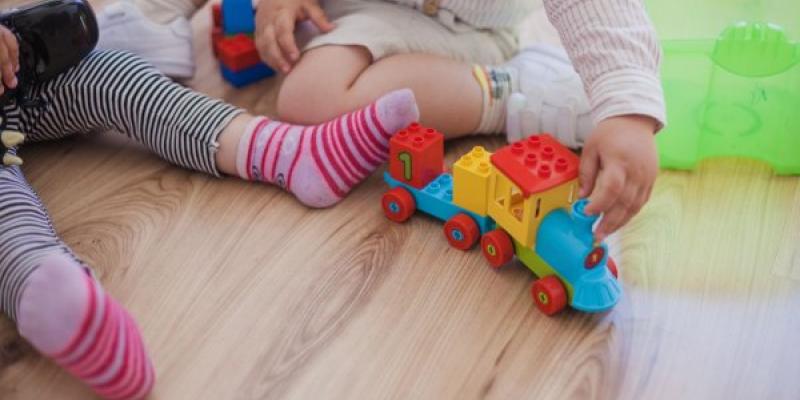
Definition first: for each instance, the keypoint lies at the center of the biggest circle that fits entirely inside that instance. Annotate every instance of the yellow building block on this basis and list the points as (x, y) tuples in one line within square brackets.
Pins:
[(519, 216), (471, 175)]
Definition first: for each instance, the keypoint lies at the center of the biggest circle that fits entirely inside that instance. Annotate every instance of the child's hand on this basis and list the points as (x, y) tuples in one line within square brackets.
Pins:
[(619, 165), (275, 22), (9, 59)]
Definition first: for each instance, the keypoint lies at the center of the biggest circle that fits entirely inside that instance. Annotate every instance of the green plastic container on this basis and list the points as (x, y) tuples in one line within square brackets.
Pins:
[(731, 75)]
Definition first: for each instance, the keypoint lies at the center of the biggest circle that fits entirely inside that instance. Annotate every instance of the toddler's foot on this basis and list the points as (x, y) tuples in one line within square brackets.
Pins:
[(168, 47), (321, 164), (67, 316), (538, 91)]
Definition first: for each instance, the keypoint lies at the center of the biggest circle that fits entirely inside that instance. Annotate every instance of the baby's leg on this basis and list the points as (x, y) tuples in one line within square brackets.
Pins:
[(320, 163), (457, 98), (58, 306), (113, 90), (331, 80)]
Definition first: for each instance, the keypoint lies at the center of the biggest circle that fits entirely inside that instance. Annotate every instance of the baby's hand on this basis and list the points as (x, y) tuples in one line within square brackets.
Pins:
[(275, 22), (619, 165), (9, 59)]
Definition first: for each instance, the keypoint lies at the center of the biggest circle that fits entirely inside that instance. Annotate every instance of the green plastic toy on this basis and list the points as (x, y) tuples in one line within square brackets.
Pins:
[(731, 75)]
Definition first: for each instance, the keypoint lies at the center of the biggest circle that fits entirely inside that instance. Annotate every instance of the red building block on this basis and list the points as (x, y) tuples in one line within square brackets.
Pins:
[(416, 155), (537, 163), (238, 52), (216, 15)]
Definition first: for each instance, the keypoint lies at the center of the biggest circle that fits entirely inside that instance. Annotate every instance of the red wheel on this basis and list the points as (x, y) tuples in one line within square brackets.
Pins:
[(497, 248), (549, 294), (462, 232), (398, 204), (612, 267)]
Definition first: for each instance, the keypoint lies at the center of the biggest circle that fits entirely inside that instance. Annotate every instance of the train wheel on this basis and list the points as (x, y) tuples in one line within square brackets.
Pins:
[(549, 294), (398, 204), (612, 267), (462, 232), (497, 248)]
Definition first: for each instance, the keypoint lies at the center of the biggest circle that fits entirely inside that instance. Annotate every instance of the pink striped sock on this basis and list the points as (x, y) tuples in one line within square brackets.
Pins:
[(321, 164), (67, 316)]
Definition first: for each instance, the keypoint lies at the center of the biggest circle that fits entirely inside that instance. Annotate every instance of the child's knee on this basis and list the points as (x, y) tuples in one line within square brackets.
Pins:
[(289, 105), (318, 88), (301, 101)]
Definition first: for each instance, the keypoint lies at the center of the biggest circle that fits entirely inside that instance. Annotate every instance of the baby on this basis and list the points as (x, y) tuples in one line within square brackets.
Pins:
[(58, 305), (452, 54)]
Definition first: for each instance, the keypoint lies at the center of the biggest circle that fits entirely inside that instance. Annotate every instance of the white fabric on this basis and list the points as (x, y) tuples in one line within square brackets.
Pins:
[(549, 97), (168, 47)]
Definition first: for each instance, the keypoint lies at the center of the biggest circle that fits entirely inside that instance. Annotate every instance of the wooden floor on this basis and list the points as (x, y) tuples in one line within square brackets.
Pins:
[(241, 293)]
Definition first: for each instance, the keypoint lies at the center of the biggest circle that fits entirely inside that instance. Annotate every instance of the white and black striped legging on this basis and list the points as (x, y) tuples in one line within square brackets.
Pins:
[(107, 90)]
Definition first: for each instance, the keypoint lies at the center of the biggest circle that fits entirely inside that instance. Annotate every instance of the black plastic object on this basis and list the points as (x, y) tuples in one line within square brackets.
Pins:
[(53, 36)]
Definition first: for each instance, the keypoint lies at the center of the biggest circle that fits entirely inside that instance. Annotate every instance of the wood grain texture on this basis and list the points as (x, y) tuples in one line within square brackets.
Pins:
[(241, 293)]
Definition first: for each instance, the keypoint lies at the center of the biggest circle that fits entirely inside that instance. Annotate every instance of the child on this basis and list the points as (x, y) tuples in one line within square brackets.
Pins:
[(451, 53), (58, 305)]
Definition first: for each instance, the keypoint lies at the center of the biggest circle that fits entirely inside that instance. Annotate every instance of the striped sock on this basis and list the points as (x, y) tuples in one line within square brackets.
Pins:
[(59, 308), (67, 316), (321, 164)]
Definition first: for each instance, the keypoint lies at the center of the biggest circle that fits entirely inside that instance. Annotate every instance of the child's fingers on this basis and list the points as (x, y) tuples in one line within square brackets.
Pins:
[(620, 213), (274, 57), (6, 68), (608, 225), (316, 14), (9, 75), (13, 49), (647, 192), (609, 186), (641, 199), (284, 31), (603, 228), (590, 163), (261, 44)]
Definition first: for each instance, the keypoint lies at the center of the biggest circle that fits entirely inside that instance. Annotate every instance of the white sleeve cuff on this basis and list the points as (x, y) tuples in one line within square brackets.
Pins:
[(628, 92)]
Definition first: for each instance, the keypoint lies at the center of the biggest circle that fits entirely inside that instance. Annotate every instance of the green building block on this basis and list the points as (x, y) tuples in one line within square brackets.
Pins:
[(731, 75)]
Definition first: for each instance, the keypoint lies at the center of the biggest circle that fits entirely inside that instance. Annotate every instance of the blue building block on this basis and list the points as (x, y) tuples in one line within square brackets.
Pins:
[(436, 199), (247, 75), (565, 242), (238, 16)]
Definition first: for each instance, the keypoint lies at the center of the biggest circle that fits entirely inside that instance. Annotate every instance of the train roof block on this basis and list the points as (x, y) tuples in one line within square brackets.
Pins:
[(537, 163)]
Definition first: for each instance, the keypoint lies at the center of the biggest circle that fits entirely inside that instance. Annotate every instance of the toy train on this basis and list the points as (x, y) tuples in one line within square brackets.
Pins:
[(520, 201)]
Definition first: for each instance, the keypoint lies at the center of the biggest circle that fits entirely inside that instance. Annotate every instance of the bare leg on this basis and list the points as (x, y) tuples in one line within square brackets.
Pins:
[(332, 80), (229, 143)]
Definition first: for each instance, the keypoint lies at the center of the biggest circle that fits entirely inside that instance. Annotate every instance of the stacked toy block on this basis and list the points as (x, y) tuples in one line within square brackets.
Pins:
[(471, 173), (416, 155), (234, 46)]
